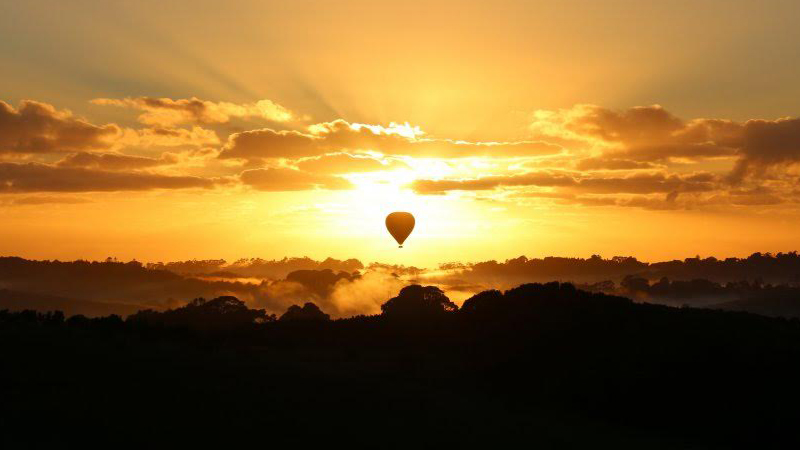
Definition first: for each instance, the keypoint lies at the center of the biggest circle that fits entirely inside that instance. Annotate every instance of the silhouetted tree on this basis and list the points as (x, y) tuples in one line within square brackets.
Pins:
[(308, 313), (220, 313), (536, 298), (590, 364), (417, 301), (484, 301), (634, 284)]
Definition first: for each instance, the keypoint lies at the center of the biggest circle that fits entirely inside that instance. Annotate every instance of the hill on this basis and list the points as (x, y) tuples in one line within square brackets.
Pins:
[(539, 365)]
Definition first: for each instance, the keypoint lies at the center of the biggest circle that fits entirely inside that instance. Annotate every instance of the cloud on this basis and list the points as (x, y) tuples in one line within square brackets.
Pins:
[(639, 201), (35, 177), (111, 161), (267, 143), (341, 136), (655, 201), (284, 179), (169, 137), (637, 124), (365, 294), (339, 163), (768, 143), (341, 295), (428, 187), (47, 199), (599, 163), (649, 183), (169, 112), (677, 152), (640, 134), (39, 128), (634, 184)]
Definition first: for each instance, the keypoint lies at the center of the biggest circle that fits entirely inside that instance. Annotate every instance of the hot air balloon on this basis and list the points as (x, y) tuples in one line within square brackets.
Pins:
[(400, 225)]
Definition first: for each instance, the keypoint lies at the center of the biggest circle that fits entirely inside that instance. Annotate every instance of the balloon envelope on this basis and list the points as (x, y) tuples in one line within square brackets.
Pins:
[(400, 225)]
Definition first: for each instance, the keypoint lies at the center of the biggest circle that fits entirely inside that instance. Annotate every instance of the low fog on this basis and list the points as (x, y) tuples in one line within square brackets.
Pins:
[(345, 288)]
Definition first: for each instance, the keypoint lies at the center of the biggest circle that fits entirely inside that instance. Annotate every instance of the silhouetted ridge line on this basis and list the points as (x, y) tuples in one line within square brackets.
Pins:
[(537, 362), (766, 267)]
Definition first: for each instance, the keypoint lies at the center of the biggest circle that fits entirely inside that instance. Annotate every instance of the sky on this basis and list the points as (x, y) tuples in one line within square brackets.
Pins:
[(197, 129)]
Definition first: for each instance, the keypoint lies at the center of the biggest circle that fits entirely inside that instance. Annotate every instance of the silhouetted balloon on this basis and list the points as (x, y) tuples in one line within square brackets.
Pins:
[(400, 225)]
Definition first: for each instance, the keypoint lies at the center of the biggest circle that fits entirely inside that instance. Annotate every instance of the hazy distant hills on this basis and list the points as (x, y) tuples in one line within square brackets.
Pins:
[(18, 301), (773, 307), (761, 283)]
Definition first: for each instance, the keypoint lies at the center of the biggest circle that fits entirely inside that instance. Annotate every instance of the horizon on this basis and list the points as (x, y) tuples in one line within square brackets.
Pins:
[(518, 223), (366, 263), (347, 288), (518, 127)]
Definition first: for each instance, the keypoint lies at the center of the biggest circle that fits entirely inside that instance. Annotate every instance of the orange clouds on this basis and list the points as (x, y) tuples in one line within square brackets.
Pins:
[(650, 133), (638, 137), (341, 136), (649, 183), (646, 183), (35, 177), (339, 163), (168, 137), (168, 112), (599, 163), (39, 128), (578, 154), (110, 161), (283, 179), (643, 133), (768, 143), (266, 143), (45, 200), (487, 183)]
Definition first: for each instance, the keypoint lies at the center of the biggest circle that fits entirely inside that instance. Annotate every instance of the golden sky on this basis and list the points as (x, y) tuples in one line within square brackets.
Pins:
[(177, 130)]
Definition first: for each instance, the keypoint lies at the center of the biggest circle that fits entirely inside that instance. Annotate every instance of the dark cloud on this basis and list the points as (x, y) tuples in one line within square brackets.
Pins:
[(639, 136), (635, 184), (644, 133), (672, 196), (600, 163), (46, 199), (486, 183), (646, 201), (267, 143), (638, 124), (34, 177), (756, 196), (339, 163), (649, 184), (768, 143), (593, 201), (674, 150), (639, 201), (542, 194), (169, 137), (341, 136), (168, 112), (283, 179), (39, 128), (111, 161)]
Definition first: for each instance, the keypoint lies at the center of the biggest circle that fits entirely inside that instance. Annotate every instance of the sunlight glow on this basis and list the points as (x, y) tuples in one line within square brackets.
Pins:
[(405, 129)]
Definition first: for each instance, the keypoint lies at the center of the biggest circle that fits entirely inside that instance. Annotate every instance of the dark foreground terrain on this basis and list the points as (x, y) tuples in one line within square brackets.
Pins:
[(544, 366)]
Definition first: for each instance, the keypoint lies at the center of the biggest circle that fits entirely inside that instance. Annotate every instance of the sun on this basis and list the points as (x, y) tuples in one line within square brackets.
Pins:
[(385, 191), (377, 194)]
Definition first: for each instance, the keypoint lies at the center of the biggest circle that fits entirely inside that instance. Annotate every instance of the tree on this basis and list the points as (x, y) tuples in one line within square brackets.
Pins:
[(308, 313), (418, 301), (224, 312)]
